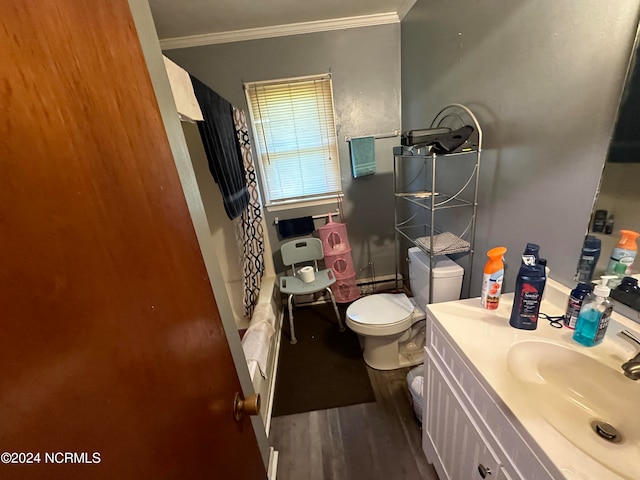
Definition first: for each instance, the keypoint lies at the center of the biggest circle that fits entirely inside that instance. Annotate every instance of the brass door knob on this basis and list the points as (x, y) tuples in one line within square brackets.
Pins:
[(249, 405)]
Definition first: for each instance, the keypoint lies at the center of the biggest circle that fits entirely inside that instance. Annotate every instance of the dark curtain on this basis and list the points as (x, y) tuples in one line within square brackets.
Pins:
[(221, 146)]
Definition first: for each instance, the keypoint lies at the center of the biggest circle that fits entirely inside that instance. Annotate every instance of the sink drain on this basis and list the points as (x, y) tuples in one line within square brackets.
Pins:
[(606, 431)]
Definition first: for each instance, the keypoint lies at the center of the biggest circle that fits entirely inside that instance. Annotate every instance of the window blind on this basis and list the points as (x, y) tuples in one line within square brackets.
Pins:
[(294, 127)]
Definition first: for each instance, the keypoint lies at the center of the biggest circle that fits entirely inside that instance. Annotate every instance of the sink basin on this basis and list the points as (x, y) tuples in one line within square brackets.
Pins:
[(590, 403)]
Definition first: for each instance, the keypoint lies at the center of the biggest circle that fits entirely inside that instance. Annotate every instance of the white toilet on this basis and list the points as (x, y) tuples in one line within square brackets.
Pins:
[(391, 326)]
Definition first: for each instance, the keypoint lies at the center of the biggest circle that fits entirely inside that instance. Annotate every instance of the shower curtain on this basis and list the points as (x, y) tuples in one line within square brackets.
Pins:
[(249, 229)]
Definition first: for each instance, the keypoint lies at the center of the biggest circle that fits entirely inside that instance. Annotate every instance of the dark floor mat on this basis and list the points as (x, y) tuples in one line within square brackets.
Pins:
[(324, 369)]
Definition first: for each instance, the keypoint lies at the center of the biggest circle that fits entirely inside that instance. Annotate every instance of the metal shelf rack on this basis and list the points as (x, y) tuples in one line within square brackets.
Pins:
[(436, 195)]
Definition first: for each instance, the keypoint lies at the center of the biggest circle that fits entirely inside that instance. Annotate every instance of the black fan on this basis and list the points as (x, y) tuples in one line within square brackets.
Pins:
[(442, 140)]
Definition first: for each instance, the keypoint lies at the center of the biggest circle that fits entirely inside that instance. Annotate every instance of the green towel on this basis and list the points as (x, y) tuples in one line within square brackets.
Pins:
[(363, 156)]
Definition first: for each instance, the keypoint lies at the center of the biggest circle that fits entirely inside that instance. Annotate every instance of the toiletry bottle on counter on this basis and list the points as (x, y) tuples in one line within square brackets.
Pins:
[(629, 285), (527, 297), (543, 262), (531, 254), (608, 227), (576, 299), (599, 220), (492, 278), (625, 251), (593, 319), (588, 259)]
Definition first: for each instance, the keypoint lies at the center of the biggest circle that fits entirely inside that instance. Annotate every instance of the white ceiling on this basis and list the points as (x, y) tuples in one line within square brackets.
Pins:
[(223, 19)]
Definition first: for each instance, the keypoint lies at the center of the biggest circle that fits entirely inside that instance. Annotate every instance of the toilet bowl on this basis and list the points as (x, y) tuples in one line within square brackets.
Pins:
[(391, 327), (384, 321)]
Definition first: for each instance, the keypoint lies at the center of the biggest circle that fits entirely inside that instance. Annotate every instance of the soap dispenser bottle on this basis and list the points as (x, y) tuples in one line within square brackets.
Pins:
[(593, 319)]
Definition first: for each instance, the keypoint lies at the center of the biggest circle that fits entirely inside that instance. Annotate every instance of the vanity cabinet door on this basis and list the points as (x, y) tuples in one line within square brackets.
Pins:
[(451, 439), (503, 475)]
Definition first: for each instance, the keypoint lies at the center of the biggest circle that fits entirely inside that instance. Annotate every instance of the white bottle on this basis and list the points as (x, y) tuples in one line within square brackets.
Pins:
[(543, 262)]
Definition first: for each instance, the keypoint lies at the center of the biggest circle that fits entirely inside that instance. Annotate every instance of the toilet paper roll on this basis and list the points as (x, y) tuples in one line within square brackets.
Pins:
[(307, 274)]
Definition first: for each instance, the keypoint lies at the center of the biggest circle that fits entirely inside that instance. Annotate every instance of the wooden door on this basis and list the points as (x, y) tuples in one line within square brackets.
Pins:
[(113, 359)]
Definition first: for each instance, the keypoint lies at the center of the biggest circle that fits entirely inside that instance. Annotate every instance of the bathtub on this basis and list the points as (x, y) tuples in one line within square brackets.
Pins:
[(268, 299)]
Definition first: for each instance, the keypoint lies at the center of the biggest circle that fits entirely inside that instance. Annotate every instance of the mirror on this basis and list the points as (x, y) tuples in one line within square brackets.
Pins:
[(617, 205)]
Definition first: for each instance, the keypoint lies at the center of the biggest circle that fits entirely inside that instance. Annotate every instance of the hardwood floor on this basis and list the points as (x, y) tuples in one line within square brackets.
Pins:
[(380, 440)]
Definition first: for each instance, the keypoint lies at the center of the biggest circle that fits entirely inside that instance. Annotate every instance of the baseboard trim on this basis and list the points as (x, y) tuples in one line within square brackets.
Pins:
[(272, 469)]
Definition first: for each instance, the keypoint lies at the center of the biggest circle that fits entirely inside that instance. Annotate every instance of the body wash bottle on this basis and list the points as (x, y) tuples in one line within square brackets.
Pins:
[(593, 319), (531, 254), (527, 297), (529, 289)]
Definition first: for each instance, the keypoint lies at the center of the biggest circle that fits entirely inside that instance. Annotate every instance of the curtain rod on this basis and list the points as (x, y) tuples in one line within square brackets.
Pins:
[(315, 217), (395, 133)]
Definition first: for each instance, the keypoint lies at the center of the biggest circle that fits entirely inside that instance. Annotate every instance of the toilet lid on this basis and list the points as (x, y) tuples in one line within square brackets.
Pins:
[(380, 309)]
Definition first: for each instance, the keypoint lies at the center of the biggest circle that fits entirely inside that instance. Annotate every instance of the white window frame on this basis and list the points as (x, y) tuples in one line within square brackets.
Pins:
[(329, 146)]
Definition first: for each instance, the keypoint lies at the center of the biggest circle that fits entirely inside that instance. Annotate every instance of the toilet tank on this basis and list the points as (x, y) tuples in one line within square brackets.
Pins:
[(447, 278)]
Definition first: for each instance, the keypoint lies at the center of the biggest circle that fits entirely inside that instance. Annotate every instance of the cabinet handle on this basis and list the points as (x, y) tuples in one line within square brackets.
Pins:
[(484, 471)]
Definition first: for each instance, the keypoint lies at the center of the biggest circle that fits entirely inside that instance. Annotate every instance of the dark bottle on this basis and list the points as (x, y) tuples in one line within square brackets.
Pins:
[(588, 259), (576, 298), (608, 227), (629, 285), (628, 293), (599, 220), (527, 297), (531, 254)]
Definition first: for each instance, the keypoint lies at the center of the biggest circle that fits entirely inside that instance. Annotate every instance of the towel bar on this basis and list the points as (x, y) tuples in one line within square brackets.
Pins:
[(315, 217), (395, 133)]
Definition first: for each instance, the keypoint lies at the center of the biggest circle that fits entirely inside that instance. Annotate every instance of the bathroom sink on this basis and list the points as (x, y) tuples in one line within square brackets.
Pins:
[(590, 403)]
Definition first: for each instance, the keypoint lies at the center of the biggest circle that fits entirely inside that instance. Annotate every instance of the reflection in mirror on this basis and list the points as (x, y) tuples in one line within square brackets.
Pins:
[(619, 198), (618, 202)]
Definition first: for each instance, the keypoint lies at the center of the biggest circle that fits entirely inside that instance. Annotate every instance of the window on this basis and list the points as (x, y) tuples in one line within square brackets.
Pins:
[(295, 134)]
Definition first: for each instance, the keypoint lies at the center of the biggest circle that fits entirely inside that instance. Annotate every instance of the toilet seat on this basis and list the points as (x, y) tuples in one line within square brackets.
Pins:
[(381, 314)]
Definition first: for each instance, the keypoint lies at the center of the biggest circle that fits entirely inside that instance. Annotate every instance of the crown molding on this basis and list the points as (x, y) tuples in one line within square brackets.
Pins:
[(279, 31), (404, 8)]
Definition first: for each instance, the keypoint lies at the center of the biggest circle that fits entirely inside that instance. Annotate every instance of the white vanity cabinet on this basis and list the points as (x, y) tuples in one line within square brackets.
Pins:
[(451, 439), (467, 434)]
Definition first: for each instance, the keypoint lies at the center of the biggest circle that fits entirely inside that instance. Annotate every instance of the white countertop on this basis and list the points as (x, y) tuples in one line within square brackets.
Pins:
[(484, 338)]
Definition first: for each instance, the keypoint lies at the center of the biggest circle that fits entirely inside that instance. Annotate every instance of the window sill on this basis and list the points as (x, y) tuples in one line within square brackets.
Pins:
[(288, 205)]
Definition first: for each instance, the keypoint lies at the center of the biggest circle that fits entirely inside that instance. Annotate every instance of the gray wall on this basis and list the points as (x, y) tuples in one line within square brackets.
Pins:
[(365, 64), (544, 78)]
